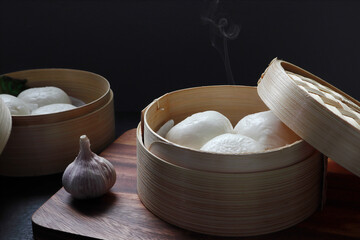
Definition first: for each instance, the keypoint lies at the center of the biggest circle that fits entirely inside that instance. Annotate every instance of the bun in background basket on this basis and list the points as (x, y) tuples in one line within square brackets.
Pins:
[(46, 144)]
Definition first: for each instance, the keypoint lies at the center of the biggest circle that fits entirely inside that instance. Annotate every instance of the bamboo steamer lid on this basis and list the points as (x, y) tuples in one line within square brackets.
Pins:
[(5, 124), (318, 112)]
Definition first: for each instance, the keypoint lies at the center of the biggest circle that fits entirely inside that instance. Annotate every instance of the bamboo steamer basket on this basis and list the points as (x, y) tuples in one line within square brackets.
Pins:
[(46, 144), (223, 194), (318, 112)]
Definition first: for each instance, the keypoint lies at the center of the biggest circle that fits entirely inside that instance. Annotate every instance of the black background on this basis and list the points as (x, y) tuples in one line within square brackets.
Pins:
[(148, 48)]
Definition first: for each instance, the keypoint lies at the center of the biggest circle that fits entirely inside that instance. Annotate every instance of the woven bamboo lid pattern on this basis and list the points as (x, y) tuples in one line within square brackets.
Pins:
[(321, 114), (5, 124)]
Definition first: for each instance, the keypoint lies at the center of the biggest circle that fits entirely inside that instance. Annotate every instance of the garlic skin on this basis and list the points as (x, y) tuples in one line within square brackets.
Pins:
[(89, 175)]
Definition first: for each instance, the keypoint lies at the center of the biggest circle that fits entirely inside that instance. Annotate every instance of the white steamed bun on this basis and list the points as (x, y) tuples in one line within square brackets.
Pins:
[(15, 105), (267, 129), (164, 129), (232, 144), (44, 96), (52, 108), (197, 129)]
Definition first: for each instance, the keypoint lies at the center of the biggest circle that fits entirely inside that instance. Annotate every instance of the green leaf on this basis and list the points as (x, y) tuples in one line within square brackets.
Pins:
[(12, 86)]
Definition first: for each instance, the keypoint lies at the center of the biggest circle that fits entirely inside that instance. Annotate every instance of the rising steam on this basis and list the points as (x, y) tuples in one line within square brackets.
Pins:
[(221, 30)]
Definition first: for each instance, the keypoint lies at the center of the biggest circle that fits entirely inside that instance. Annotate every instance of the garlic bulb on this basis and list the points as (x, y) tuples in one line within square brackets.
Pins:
[(89, 175)]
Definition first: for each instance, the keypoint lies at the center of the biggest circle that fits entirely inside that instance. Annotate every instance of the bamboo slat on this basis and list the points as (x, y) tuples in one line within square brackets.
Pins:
[(229, 204), (327, 118), (236, 163)]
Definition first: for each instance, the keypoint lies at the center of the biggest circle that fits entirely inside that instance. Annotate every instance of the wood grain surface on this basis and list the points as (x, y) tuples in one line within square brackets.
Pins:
[(120, 214)]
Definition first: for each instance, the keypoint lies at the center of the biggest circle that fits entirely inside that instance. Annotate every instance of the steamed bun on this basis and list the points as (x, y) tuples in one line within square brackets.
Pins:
[(44, 96), (15, 105), (164, 129), (267, 129), (232, 144), (52, 108), (197, 129)]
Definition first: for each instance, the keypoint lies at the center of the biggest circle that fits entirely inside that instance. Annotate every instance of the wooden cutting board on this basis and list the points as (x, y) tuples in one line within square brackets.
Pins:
[(120, 214)]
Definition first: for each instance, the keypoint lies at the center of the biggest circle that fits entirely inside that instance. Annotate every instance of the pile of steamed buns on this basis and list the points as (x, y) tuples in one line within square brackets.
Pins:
[(38, 100), (211, 131)]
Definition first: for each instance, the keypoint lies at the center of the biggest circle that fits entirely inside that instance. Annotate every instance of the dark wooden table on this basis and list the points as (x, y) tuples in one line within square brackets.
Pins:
[(20, 197), (120, 214)]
